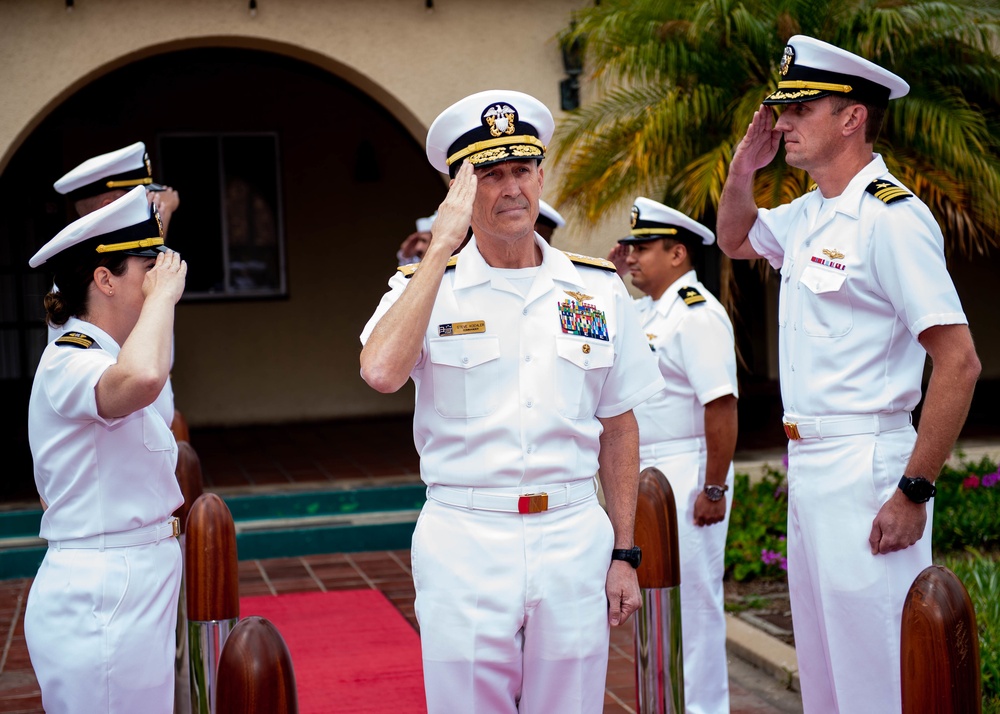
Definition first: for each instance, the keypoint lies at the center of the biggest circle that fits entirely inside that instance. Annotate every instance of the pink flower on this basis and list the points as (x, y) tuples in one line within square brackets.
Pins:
[(971, 482)]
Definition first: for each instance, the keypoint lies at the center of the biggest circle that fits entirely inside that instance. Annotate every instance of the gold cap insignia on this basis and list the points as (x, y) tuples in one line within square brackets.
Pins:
[(832, 253), (500, 119), (635, 215), (149, 166), (579, 297), (787, 60)]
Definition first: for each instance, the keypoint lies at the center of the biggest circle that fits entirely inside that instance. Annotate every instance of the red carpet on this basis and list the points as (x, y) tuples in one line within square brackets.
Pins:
[(352, 651)]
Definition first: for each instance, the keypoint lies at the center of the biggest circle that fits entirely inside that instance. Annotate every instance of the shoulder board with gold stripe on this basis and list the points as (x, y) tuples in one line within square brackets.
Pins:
[(76, 339), (409, 270), (887, 191), (690, 296), (592, 262)]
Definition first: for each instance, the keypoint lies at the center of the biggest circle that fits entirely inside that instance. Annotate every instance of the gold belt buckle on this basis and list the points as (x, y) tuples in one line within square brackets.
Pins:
[(176, 528), (533, 502), (792, 430)]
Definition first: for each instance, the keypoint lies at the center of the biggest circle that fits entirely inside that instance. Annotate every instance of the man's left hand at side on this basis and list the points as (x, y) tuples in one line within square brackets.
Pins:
[(708, 512), (898, 524), (623, 593)]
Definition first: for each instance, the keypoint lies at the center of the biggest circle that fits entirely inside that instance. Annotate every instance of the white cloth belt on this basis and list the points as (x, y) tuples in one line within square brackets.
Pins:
[(518, 499), (844, 425), (171, 528), (662, 449)]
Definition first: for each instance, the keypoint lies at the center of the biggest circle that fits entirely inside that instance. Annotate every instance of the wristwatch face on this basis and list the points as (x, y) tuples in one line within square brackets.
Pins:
[(632, 556), (918, 490), (714, 493)]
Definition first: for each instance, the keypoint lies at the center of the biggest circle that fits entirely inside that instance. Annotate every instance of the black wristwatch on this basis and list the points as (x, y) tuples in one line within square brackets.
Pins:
[(715, 493), (632, 556), (917, 489)]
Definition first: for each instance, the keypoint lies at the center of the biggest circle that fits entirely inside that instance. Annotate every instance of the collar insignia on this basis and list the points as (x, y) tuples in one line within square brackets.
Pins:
[(832, 254), (500, 119)]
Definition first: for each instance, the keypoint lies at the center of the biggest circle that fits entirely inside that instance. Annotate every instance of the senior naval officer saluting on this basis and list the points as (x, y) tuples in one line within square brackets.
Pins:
[(101, 613), (527, 364)]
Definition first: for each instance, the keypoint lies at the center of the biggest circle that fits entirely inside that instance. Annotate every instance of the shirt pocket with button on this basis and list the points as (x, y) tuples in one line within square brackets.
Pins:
[(581, 369), (465, 373), (825, 306)]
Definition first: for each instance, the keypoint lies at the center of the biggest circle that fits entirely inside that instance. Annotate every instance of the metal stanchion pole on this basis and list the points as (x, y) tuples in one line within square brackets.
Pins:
[(939, 647), (255, 671), (659, 662), (213, 598), (189, 479)]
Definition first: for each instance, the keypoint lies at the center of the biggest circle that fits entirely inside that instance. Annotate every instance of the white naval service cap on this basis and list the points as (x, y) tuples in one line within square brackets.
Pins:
[(812, 69), (121, 169), (652, 221), (489, 127), (549, 216), (127, 225), (424, 224)]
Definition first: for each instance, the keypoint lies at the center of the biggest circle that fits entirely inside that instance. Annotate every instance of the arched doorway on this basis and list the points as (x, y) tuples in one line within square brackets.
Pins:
[(350, 180)]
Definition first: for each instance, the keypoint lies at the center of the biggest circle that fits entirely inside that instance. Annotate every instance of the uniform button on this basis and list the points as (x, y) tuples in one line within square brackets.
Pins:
[(530, 449), (527, 358), (793, 367), (528, 404), (586, 363), (465, 360), (524, 311)]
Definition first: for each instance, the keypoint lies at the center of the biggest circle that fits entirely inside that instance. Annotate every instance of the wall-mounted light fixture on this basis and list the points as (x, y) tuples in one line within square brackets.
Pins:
[(569, 88), (253, 8), (429, 4), (69, 5)]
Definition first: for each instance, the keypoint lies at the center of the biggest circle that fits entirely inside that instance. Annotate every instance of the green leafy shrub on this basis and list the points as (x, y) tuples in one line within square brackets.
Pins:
[(967, 507), (756, 546)]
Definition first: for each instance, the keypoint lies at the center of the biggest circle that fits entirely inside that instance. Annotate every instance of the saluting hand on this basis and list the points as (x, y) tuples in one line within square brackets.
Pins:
[(618, 256), (759, 145), (166, 278), (455, 212)]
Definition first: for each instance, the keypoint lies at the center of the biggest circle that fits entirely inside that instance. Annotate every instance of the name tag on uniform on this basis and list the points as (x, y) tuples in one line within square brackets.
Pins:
[(461, 328)]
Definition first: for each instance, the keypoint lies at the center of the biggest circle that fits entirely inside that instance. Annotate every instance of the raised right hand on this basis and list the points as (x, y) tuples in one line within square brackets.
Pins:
[(166, 278), (759, 145), (454, 215)]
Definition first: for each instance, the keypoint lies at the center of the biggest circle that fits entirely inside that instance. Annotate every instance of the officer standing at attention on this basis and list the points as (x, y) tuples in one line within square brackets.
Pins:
[(865, 297), (102, 610), (102, 179), (527, 364), (688, 430)]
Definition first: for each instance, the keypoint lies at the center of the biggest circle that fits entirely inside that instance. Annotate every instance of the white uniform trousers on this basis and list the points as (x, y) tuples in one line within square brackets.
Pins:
[(847, 604), (702, 552), (512, 608), (100, 629)]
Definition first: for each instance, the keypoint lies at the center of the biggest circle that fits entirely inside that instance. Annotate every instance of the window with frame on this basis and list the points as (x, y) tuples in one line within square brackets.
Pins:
[(229, 225)]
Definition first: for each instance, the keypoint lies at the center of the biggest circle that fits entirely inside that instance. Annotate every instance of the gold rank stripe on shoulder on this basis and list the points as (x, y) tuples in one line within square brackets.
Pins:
[(690, 296), (592, 262), (76, 339), (409, 270), (887, 191)]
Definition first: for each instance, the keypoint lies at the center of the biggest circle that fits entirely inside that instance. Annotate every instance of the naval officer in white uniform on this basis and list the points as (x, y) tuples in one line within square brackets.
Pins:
[(865, 297), (527, 364), (101, 613), (688, 430)]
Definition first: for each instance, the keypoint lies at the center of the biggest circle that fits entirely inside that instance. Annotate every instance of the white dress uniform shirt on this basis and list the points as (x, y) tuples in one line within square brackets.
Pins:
[(694, 347), (499, 398), (860, 279), (97, 475), (857, 287)]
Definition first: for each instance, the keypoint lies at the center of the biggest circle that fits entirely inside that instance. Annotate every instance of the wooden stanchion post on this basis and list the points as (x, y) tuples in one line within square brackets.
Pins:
[(255, 671), (939, 652), (212, 590), (659, 662), (180, 428), (189, 479)]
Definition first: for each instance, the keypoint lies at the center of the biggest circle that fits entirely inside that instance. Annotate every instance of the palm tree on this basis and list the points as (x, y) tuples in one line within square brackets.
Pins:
[(678, 82)]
